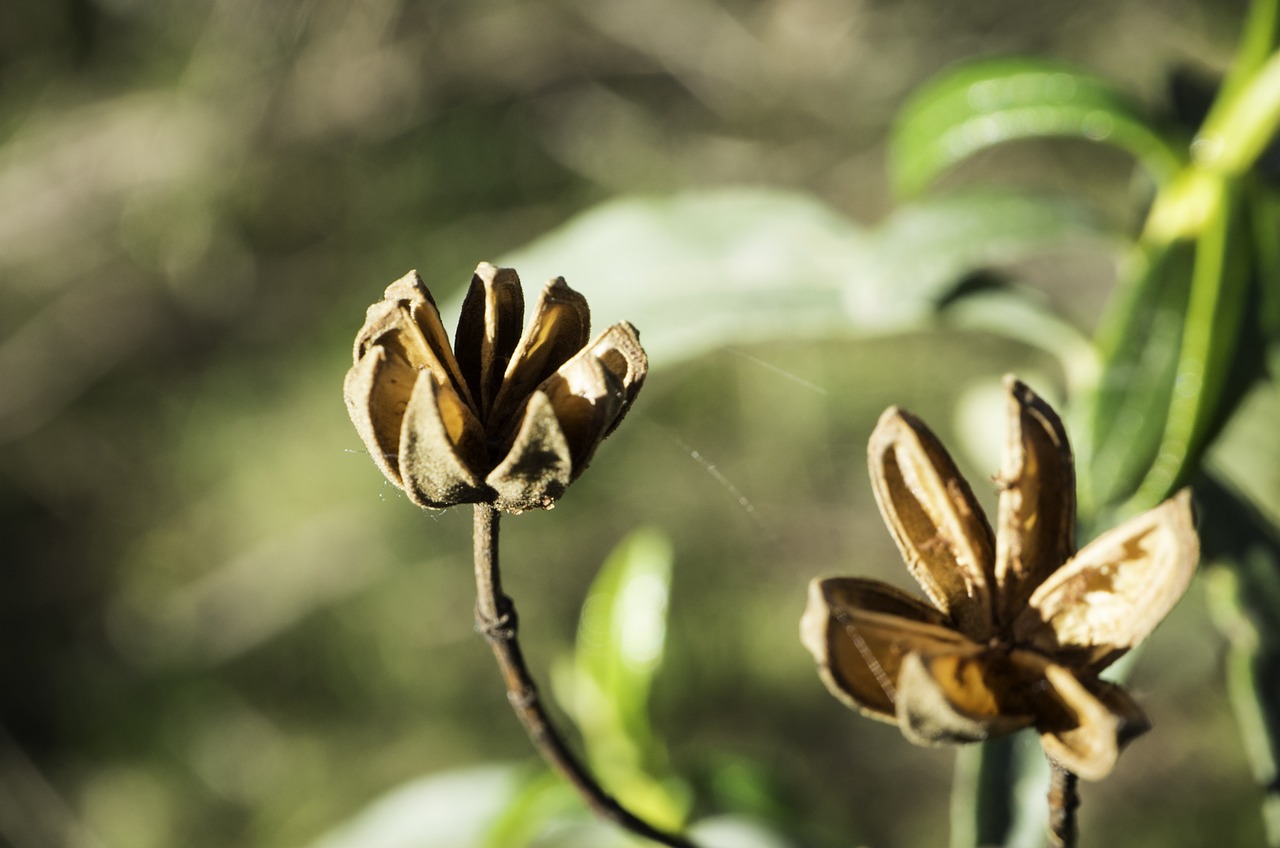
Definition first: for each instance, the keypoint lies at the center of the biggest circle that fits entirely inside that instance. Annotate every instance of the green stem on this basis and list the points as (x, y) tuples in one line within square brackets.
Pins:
[(1233, 138), (998, 795), (1258, 38), (496, 619)]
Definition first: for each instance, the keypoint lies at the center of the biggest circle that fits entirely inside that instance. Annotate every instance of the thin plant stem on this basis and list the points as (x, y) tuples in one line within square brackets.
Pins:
[(496, 620), (1064, 799)]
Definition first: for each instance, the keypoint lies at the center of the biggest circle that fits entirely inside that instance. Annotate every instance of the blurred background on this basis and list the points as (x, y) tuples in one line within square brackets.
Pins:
[(219, 625)]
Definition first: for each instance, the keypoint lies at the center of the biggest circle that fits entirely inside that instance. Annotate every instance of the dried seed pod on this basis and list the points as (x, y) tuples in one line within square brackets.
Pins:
[(504, 417), (1019, 627)]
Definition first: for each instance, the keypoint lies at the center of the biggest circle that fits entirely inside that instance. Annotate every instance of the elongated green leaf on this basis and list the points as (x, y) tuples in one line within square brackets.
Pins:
[(991, 102), (1258, 40), (701, 270), (1212, 330), (622, 635), (621, 638), (1265, 213), (1140, 349)]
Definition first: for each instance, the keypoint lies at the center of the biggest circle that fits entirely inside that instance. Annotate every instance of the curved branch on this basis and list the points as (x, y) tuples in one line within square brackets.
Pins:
[(496, 619)]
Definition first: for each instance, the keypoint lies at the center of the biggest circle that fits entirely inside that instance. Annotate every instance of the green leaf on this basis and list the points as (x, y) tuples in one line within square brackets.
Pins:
[(698, 270), (452, 809), (622, 635), (1140, 350), (995, 101), (701, 270), (621, 638), (1243, 586), (1212, 329), (542, 801), (1265, 213), (925, 248), (1017, 313), (1240, 127), (1258, 40)]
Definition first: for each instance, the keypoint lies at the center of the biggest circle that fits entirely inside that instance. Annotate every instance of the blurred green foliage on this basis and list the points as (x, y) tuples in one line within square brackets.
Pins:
[(219, 626)]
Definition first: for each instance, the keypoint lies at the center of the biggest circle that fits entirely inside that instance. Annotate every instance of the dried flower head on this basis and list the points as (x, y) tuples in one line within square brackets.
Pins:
[(503, 417), (1019, 625)]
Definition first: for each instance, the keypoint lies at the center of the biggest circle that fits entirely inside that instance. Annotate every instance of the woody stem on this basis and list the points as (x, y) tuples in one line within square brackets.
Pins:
[(496, 619), (1064, 799)]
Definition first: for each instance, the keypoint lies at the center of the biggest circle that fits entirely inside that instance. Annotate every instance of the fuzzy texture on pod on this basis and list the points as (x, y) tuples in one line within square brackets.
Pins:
[(503, 417), (1018, 624)]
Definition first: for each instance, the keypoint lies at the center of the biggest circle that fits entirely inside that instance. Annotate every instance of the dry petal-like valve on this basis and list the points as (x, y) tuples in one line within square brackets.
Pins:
[(1018, 624), (501, 417)]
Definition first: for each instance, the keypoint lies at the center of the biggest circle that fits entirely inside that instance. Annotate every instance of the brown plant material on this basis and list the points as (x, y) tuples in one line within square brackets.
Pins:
[(1018, 625), (503, 417)]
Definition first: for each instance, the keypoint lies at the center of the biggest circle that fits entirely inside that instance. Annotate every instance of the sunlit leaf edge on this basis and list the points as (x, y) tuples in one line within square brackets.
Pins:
[(994, 101)]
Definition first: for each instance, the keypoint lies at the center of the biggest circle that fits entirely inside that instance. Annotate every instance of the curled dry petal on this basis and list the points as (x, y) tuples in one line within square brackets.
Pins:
[(514, 417), (859, 631), (1115, 590), (559, 328), (539, 467), (1096, 720), (963, 696), (935, 519), (376, 393), (488, 331), (1037, 512), (406, 324), (434, 417), (618, 349)]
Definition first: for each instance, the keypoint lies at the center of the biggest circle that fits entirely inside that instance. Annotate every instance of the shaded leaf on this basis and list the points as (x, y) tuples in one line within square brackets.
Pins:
[(542, 802), (925, 248), (449, 810), (701, 270), (1243, 585), (1022, 315)]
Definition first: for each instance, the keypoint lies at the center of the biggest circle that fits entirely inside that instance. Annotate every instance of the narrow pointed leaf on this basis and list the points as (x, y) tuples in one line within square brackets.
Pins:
[(991, 102), (619, 651), (1211, 333), (621, 639), (1140, 348)]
